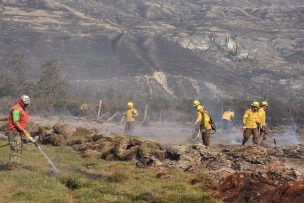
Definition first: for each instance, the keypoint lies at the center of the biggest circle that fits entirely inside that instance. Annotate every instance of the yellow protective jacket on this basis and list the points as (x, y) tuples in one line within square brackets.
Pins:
[(262, 116), (203, 118), (198, 118), (228, 115), (131, 115), (251, 119)]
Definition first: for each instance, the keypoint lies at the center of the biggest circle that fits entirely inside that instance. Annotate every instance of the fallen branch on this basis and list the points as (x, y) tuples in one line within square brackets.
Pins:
[(112, 116), (145, 115), (103, 116)]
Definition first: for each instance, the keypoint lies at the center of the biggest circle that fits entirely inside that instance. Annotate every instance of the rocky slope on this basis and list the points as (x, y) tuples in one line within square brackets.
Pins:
[(163, 47)]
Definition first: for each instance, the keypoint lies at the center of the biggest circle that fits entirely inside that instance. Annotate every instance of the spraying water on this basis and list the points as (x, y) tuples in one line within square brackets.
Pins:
[(50, 162)]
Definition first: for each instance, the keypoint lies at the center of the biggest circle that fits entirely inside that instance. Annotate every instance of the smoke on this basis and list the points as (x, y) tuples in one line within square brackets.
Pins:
[(178, 132), (172, 133), (166, 133), (288, 136), (233, 136)]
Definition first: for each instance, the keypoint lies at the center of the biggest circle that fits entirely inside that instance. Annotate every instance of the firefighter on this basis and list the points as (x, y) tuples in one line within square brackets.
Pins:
[(204, 123), (262, 116), (131, 116), (251, 121)]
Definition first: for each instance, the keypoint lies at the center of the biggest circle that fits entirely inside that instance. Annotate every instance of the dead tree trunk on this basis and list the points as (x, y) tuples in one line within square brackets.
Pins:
[(146, 120), (112, 116), (160, 116), (102, 116), (99, 108)]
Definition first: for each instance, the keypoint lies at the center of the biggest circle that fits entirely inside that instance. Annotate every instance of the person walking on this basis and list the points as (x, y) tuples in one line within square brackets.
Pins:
[(251, 121), (204, 121)]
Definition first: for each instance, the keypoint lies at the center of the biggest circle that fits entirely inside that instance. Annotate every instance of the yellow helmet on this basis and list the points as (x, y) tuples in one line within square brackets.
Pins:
[(199, 107), (264, 103), (196, 103), (255, 104), (130, 104)]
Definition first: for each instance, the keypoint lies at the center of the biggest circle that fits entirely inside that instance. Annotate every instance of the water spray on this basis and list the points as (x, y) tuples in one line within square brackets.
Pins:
[(55, 169)]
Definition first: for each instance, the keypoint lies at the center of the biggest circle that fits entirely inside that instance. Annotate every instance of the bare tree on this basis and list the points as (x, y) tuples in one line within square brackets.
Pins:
[(16, 64), (52, 86)]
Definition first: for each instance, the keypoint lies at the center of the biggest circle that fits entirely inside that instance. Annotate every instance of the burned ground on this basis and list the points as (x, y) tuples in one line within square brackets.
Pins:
[(237, 173)]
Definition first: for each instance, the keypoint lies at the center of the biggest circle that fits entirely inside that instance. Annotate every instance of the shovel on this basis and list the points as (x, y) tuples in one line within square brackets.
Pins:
[(274, 140), (269, 135)]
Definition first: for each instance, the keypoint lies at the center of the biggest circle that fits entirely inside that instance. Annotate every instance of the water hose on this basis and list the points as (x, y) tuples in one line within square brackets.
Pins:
[(4, 145)]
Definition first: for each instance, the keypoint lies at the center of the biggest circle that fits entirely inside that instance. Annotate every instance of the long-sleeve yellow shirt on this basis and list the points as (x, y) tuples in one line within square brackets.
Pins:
[(250, 119), (131, 115), (198, 118), (204, 119), (262, 116), (228, 115)]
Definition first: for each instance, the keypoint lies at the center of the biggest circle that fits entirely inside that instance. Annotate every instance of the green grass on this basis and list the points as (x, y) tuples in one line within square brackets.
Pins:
[(93, 180)]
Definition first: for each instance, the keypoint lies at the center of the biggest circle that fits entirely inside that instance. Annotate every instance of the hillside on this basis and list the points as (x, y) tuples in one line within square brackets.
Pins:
[(162, 48)]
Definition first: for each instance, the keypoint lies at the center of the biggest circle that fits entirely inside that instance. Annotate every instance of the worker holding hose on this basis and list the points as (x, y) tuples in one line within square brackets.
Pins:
[(16, 125)]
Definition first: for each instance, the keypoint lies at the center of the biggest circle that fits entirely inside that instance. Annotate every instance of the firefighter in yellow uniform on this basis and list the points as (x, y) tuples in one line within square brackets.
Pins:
[(195, 136), (226, 119), (131, 115), (204, 121), (251, 121), (262, 115)]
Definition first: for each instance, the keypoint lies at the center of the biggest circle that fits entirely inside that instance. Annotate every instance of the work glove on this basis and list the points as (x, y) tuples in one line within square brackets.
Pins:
[(27, 134)]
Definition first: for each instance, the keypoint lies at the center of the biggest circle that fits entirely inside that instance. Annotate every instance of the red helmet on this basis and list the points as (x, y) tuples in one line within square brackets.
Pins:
[(25, 99)]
